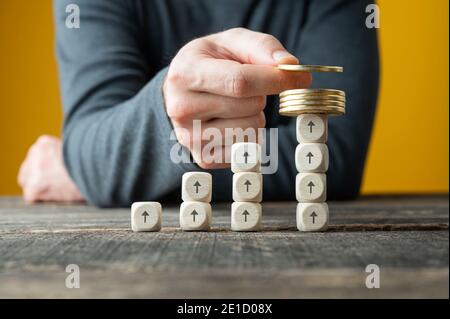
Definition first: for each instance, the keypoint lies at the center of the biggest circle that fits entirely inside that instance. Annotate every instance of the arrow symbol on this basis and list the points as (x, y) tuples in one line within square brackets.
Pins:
[(313, 215), (197, 185), (194, 213), (309, 155), (247, 183), (145, 215), (311, 185), (311, 124), (245, 213), (246, 155)]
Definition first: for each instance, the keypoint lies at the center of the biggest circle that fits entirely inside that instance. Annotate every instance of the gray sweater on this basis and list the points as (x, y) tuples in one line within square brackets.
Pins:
[(111, 69)]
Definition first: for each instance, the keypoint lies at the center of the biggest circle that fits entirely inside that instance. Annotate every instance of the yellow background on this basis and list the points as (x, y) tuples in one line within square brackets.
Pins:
[(409, 149)]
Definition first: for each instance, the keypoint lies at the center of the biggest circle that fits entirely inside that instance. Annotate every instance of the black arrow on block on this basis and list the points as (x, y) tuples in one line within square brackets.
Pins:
[(145, 215), (245, 213), (309, 155), (247, 183), (313, 215), (197, 185), (246, 155), (194, 213), (311, 124), (311, 185)]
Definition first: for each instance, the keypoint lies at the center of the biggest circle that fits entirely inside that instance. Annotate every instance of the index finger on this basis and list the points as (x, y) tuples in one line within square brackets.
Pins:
[(231, 78)]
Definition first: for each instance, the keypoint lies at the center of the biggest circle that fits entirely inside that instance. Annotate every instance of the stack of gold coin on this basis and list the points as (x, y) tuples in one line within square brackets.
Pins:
[(318, 101)]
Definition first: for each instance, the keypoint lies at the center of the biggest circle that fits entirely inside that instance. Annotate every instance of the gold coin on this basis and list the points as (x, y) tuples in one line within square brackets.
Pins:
[(310, 68), (314, 97), (316, 103), (309, 103), (298, 110), (283, 105), (312, 108), (295, 113), (312, 92)]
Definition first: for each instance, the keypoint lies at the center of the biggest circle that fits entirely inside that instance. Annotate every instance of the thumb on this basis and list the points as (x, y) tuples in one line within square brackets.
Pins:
[(252, 47)]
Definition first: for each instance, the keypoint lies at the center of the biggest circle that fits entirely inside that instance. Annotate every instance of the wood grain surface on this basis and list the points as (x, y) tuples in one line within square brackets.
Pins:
[(407, 237)]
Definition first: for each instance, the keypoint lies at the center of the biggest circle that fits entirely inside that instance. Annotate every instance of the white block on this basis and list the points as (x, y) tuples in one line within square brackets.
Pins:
[(312, 216), (312, 128), (146, 216), (247, 187), (311, 158), (195, 216), (196, 186), (245, 157), (246, 216), (311, 187)]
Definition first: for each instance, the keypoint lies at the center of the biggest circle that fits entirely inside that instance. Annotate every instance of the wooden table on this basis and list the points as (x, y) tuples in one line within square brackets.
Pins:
[(407, 237)]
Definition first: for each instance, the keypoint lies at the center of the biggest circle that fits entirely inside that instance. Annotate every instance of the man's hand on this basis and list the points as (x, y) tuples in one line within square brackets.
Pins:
[(43, 176), (223, 80)]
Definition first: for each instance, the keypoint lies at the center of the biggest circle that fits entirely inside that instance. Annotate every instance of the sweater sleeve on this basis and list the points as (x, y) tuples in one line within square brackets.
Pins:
[(116, 132)]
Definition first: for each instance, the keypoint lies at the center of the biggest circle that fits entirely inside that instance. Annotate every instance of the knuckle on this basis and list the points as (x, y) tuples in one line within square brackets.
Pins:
[(267, 40), (45, 140), (180, 110), (198, 41), (239, 84), (35, 154), (171, 110), (236, 30), (175, 77), (33, 150), (180, 76), (183, 142), (178, 107), (192, 48), (193, 44)]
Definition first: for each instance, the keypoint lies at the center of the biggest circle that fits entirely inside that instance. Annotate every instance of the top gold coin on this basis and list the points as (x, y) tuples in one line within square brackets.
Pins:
[(310, 68)]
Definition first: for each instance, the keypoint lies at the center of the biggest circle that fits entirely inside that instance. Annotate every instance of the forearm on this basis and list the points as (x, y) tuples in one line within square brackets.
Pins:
[(121, 154)]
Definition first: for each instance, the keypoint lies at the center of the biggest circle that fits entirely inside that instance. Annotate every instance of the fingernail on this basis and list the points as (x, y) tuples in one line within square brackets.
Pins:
[(282, 56)]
